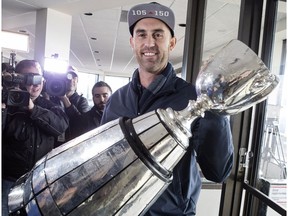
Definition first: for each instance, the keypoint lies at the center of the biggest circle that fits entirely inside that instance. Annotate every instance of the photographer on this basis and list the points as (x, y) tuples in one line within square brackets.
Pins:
[(73, 103), (30, 131)]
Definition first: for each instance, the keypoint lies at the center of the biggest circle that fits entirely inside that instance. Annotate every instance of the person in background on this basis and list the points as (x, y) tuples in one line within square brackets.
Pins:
[(101, 92), (154, 85), (73, 103), (29, 131)]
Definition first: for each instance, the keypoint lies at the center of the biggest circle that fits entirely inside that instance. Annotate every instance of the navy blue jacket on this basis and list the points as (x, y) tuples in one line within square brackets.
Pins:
[(211, 140)]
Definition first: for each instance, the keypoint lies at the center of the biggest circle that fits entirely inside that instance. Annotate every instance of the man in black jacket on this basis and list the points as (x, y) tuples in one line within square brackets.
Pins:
[(101, 92), (155, 85), (29, 131), (73, 103)]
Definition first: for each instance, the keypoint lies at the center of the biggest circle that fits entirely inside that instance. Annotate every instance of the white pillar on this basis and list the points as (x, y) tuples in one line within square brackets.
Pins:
[(52, 35)]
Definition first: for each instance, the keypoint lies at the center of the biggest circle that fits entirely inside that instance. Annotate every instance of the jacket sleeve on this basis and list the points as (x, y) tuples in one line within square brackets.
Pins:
[(212, 141), (82, 107), (54, 120)]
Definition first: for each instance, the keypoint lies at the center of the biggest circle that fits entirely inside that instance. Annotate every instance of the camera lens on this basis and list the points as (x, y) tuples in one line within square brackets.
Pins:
[(18, 98), (56, 87)]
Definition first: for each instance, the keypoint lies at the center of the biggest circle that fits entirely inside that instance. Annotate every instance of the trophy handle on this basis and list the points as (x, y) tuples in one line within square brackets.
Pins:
[(178, 123)]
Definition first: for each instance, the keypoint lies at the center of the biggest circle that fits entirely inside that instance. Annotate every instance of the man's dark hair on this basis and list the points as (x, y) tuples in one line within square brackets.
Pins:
[(101, 84), (27, 63)]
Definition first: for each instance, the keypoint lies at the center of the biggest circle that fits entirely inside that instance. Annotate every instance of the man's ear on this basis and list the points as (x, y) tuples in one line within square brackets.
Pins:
[(131, 42), (172, 44)]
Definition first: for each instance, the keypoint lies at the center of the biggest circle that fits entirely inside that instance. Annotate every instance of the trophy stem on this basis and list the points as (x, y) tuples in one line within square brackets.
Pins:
[(178, 123)]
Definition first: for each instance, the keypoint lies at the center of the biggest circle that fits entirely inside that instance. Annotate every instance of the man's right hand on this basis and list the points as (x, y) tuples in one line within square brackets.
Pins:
[(65, 101)]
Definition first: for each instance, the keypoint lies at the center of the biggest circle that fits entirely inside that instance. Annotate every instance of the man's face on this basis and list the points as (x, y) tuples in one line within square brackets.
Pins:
[(71, 82), (100, 97), (34, 90), (152, 43)]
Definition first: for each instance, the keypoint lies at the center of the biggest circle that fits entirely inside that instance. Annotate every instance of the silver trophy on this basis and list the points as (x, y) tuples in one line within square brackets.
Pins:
[(122, 167)]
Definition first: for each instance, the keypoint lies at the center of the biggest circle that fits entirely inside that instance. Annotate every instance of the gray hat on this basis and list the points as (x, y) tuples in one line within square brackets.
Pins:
[(151, 10)]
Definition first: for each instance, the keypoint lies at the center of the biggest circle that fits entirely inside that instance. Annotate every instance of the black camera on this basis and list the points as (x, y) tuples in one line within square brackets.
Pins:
[(17, 97), (55, 84), (11, 81)]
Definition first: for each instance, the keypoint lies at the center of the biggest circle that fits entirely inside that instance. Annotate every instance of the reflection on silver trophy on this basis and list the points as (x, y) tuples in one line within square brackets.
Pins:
[(122, 167)]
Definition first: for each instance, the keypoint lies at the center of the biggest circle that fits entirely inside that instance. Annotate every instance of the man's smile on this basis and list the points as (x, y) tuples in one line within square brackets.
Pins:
[(149, 54)]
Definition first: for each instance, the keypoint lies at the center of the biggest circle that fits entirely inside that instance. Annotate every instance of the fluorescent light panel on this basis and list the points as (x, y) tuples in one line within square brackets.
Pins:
[(15, 41)]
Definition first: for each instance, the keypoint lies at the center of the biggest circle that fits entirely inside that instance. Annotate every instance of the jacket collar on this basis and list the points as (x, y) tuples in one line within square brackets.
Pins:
[(158, 83)]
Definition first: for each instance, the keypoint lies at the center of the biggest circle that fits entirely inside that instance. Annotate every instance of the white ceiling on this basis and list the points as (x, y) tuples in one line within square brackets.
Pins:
[(115, 55)]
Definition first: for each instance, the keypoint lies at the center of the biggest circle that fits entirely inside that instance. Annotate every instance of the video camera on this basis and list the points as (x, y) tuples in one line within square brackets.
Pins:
[(12, 95)]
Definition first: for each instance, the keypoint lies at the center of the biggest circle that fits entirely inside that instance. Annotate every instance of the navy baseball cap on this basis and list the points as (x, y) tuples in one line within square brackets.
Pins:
[(151, 10)]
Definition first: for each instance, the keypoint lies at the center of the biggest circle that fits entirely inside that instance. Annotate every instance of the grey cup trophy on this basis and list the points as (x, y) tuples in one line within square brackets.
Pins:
[(121, 167)]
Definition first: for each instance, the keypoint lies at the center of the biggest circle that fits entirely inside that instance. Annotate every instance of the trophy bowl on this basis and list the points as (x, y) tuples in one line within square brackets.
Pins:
[(235, 79)]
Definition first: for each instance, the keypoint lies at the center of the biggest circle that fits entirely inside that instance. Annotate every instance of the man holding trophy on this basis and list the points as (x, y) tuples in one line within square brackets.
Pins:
[(143, 159), (155, 85)]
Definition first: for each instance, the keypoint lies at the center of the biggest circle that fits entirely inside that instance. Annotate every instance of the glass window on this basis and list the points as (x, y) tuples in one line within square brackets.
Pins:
[(272, 167), (218, 32), (218, 29), (85, 84), (116, 82)]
